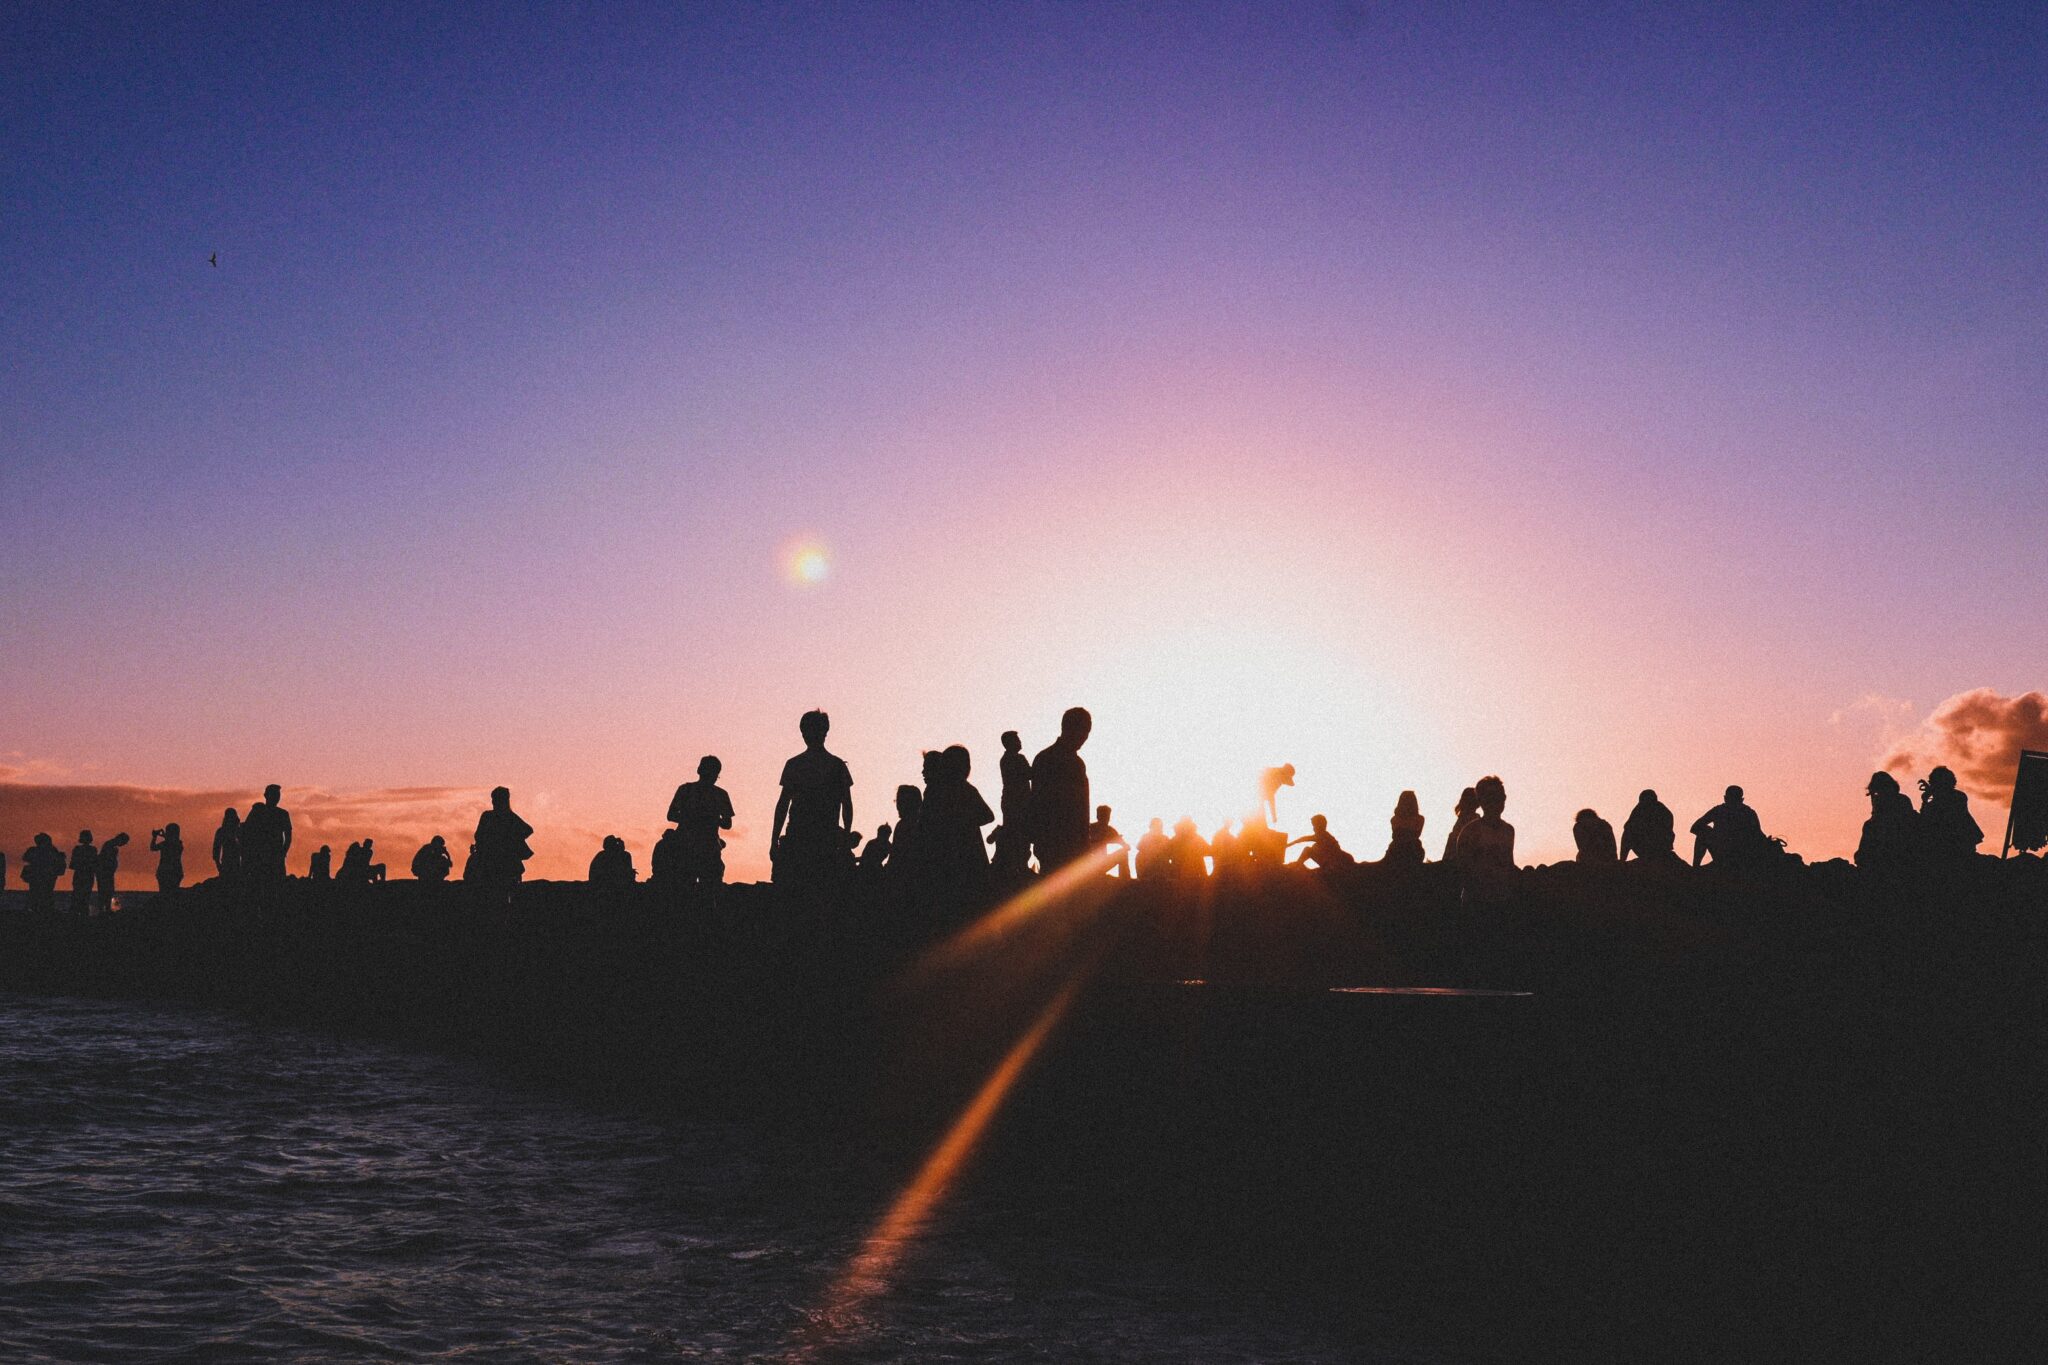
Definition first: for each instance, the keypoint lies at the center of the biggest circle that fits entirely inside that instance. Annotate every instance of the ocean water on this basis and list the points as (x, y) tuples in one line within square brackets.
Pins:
[(179, 1185)]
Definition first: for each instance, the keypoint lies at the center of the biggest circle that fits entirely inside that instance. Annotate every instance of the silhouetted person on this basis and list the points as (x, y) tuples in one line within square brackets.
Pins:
[(1464, 813), (1151, 858), (1322, 851), (611, 870), (433, 862), (814, 813), (106, 869), (1890, 838), (1404, 846), (1225, 855), (951, 822), (168, 844), (1270, 783), (1594, 838), (700, 810), (499, 861), (1486, 847), (227, 846), (1948, 831), (85, 865), (906, 853), (1103, 838), (1059, 794), (356, 867), (875, 856), (42, 867), (1013, 836), (1730, 832), (266, 838), (320, 867), (1650, 832), (1187, 852), (1259, 846)]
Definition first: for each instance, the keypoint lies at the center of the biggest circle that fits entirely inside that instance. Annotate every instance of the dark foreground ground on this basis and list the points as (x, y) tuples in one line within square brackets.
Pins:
[(1793, 1116)]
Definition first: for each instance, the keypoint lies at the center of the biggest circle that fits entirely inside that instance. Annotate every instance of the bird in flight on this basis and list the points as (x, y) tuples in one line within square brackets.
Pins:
[(214, 260)]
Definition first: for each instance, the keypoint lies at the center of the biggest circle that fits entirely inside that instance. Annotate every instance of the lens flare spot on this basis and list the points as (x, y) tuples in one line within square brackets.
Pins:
[(805, 563)]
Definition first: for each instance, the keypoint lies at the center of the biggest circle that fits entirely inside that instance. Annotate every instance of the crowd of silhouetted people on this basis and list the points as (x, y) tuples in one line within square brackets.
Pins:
[(940, 846)]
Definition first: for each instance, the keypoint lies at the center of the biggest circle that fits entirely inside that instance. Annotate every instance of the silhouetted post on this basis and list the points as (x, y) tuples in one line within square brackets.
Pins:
[(85, 865), (2026, 826), (168, 844), (814, 814)]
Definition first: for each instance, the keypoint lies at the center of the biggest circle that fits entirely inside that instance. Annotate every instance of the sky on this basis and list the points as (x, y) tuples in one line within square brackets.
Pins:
[(1407, 392)]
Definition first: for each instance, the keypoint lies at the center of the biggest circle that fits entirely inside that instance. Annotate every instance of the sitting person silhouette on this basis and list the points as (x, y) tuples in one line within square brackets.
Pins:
[(498, 860), (611, 869), (42, 867), (168, 844), (1730, 833), (85, 865), (1152, 860), (1013, 837), (1650, 832), (1404, 848), (814, 813), (1059, 794), (1594, 838), (1187, 852), (1486, 847), (699, 811), (1323, 851), (433, 862), (874, 857), (1103, 838), (1948, 831), (1890, 839), (1464, 813), (1270, 783), (320, 867)]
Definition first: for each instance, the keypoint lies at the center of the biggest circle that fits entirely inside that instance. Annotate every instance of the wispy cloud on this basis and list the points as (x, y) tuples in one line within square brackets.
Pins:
[(1979, 735)]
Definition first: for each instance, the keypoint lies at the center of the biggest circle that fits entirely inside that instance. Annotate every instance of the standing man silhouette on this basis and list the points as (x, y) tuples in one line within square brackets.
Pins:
[(1059, 794), (108, 868), (42, 867), (85, 865), (814, 813), (1013, 836), (501, 848), (266, 838)]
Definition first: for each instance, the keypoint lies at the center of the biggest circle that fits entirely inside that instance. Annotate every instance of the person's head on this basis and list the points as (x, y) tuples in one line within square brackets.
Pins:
[(1012, 743), (1490, 795), (1102, 814), (1406, 804), (231, 817), (1319, 823), (933, 767), (1941, 780), (1286, 774), (814, 726), (1184, 828), (708, 769), (327, 849), (1585, 817), (1468, 801), (615, 843), (1075, 725), (909, 800), (437, 842), (1733, 796), (45, 841), (1648, 798), (1881, 784), (882, 833), (272, 794), (501, 799), (119, 839), (85, 836), (369, 844), (171, 830), (1223, 830), (959, 763), (1157, 826)]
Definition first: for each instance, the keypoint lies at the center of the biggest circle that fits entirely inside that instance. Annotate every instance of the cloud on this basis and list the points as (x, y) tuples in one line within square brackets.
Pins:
[(400, 819), (1978, 734)]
